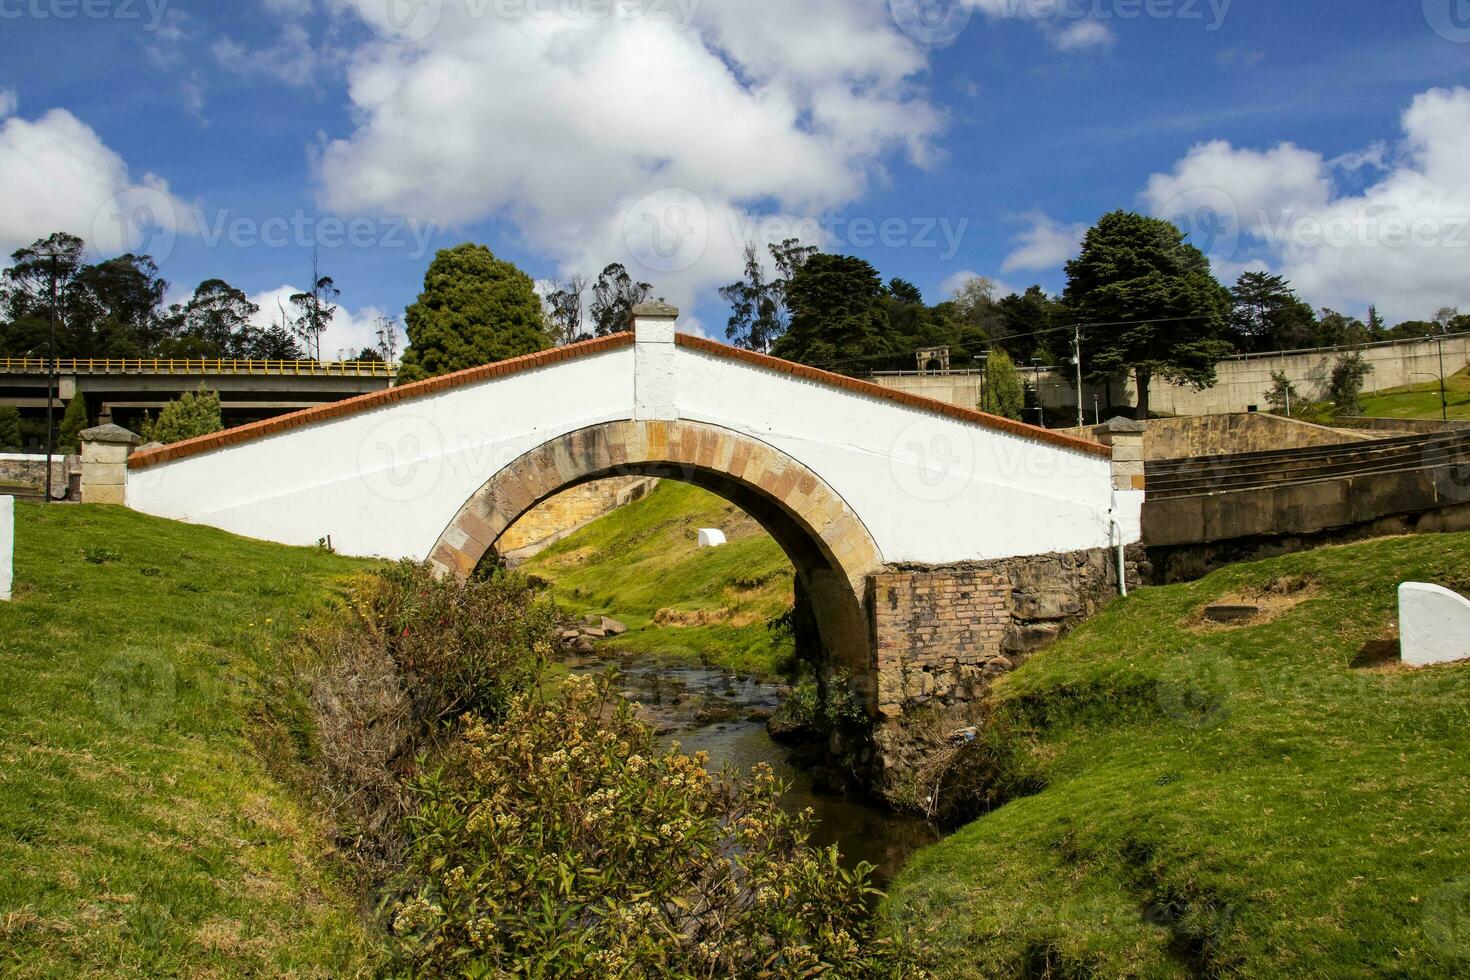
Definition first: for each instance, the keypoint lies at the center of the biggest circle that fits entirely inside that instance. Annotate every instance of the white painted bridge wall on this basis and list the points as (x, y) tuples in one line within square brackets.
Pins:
[(386, 483)]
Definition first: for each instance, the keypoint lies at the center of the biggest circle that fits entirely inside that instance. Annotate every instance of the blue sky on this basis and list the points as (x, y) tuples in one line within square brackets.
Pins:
[(1326, 140)]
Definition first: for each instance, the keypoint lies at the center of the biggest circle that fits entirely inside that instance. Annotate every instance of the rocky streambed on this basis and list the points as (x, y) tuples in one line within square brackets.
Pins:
[(724, 714)]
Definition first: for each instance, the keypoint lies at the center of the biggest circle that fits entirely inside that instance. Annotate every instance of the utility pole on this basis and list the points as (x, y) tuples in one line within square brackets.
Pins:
[(51, 384), (1444, 404), (1077, 337)]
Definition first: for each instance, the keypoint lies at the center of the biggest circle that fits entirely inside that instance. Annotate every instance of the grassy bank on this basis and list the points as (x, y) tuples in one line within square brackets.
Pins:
[(1421, 400), (140, 832), (644, 558), (1206, 802)]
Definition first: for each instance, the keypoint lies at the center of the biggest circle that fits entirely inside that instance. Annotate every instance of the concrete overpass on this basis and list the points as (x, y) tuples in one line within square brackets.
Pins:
[(121, 391), (936, 543)]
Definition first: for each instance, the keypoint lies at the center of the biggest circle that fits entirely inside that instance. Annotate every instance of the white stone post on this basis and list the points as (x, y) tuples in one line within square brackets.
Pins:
[(1126, 438), (655, 384), (105, 452), (7, 546)]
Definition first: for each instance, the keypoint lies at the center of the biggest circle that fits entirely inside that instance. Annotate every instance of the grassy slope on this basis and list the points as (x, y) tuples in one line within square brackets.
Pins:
[(1421, 400), (1311, 818), (644, 557), (140, 835)]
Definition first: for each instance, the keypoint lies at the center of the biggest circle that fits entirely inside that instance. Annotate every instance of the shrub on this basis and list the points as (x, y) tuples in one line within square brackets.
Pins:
[(1005, 393), (388, 677), (563, 842), (11, 440), (193, 414), (73, 421), (1282, 394), (1348, 375)]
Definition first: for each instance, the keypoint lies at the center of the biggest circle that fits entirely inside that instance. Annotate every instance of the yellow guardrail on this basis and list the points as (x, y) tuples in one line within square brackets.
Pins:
[(163, 365)]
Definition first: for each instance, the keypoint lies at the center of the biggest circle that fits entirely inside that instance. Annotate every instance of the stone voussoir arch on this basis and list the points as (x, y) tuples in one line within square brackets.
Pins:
[(827, 542)]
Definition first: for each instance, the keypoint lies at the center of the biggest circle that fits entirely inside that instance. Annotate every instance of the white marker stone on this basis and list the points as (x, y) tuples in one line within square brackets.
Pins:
[(711, 538), (7, 546), (1434, 625)]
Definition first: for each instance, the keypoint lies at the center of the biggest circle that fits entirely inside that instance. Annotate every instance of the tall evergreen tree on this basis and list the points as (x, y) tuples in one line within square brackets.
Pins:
[(474, 309), (1151, 305), (838, 313)]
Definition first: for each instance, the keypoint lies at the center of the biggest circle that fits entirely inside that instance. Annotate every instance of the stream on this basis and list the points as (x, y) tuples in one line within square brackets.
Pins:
[(706, 709)]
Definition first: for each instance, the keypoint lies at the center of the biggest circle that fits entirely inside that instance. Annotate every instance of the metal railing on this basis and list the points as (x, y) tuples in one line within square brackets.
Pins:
[(198, 366)]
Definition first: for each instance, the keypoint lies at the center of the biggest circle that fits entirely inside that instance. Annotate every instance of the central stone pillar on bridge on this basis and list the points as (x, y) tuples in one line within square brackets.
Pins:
[(105, 452)]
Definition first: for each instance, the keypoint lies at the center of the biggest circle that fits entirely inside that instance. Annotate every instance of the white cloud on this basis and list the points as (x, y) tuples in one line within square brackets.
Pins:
[(565, 124), (1047, 244), (1065, 25), (350, 332), (60, 176), (291, 58), (1402, 243), (9, 102)]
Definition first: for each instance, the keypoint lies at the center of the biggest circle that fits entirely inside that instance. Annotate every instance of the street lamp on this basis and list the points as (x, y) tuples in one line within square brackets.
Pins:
[(55, 258), (1444, 404), (1040, 408)]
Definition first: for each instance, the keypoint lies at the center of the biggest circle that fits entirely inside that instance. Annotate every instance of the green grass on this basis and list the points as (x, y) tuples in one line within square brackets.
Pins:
[(1421, 400), (1239, 802), (645, 557), (140, 832)]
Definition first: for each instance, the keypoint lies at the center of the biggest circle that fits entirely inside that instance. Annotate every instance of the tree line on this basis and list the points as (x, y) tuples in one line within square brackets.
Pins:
[(114, 308)]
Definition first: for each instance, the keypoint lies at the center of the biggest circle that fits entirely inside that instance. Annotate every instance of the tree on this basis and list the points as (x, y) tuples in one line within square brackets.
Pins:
[(1267, 315), (1005, 392), (1336, 330), (613, 299), (73, 421), (315, 309), (193, 414), (11, 440), (1377, 329), (1023, 323), (759, 312), (837, 312), (563, 311), (475, 309), (1282, 394), (215, 322), (755, 307), (1348, 375), (1151, 304), (905, 292)]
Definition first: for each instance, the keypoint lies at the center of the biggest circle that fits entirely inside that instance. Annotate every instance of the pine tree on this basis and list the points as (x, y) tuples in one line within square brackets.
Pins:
[(73, 421)]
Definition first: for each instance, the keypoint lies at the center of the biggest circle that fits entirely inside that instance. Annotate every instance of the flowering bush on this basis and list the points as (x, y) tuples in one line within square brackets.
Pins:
[(563, 842)]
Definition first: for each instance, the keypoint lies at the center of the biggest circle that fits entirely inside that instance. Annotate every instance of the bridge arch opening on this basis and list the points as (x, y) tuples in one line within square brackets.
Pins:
[(829, 547)]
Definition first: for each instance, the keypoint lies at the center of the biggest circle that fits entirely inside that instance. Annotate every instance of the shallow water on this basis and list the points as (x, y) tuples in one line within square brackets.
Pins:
[(709, 710)]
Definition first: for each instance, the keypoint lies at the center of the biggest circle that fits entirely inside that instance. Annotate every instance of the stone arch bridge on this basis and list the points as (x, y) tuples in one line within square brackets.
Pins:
[(936, 543)]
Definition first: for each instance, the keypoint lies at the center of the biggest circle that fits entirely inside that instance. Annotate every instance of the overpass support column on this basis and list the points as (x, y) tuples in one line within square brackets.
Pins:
[(105, 452)]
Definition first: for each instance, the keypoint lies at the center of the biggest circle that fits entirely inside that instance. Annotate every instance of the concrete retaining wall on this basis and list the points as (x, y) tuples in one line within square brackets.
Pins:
[(1404, 426), (567, 512), (1243, 381)]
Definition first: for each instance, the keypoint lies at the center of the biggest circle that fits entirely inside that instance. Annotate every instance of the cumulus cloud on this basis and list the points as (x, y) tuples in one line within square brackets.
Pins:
[(1046, 244), (291, 58), (654, 134), (1402, 242), (9, 102), (1066, 26), (60, 176)]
